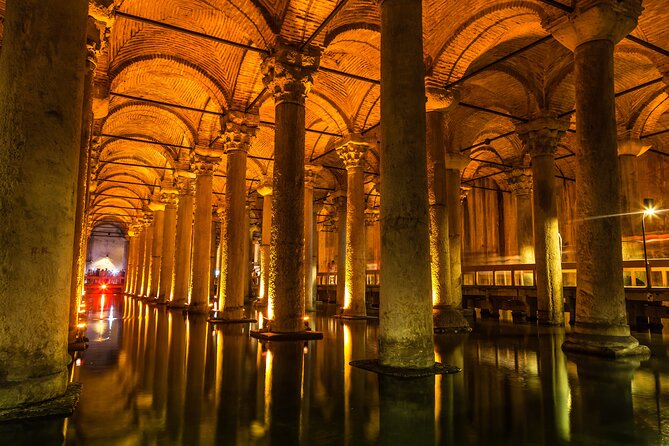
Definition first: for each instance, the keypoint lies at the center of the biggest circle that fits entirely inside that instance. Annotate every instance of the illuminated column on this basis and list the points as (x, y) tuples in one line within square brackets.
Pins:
[(520, 184), (156, 248), (169, 198), (223, 252), (628, 150), (41, 94), (592, 32), (455, 163), (203, 164), (406, 330), (239, 130), (287, 75), (310, 173), (340, 203), (139, 265), (132, 259), (352, 154), (446, 314), (148, 245), (182, 255), (541, 137), (265, 189)]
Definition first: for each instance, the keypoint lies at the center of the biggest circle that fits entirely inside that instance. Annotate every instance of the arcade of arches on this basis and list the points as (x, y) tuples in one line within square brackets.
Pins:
[(256, 159)]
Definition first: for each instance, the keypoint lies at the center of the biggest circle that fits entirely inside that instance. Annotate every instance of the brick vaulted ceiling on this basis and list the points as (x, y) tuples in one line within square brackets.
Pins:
[(142, 60)]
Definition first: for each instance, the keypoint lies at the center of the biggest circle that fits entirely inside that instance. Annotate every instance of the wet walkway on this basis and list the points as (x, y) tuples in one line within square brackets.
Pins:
[(155, 377)]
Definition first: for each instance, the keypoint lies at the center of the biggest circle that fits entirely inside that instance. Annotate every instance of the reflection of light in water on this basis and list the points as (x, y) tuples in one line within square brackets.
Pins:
[(102, 306), (219, 364), (261, 321), (111, 316), (348, 353), (437, 397), (268, 385)]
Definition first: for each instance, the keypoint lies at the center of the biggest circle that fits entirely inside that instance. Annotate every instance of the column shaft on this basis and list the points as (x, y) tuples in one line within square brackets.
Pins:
[(182, 256), (309, 296), (341, 251), (199, 301), (41, 92), (264, 247), (454, 235), (156, 252), (406, 330), (139, 265), (169, 249), (354, 291), (524, 226), (148, 257)]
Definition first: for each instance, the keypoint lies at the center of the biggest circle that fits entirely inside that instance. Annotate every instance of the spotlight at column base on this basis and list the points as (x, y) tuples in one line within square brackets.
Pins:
[(374, 365), (62, 405), (605, 346), (447, 319)]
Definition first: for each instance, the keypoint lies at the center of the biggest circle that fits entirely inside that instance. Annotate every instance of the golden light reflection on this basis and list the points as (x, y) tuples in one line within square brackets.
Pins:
[(348, 354), (219, 365), (437, 398), (261, 320), (102, 306), (347, 297), (270, 306), (268, 385)]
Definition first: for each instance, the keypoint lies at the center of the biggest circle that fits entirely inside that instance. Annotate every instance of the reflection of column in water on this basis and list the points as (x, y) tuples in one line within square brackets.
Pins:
[(197, 346), (449, 391), (141, 341), (47, 432), (603, 408), (555, 392), (160, 376), (150, 352), (176, 375), (407, 410), (305, 422), (354, 381), (285, 383), (231, 405)]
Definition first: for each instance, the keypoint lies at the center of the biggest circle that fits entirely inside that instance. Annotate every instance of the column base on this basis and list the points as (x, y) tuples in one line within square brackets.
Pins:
[(447, 319), (259, 303), (604, 345), (231, 317), (198, 309), (177, 304), (33, 391), (62, 406), (266, 335), (374, 365)]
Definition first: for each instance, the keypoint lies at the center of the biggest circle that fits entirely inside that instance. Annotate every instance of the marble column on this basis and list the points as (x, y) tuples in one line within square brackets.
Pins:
[(182, 255), (631, 205), (340, 204), (41, 94), (139, 264), (541, 137), (158, 209), (455, 163), (265, 189), (352, 154), (447, 317), (203, 163), (287, 75), (238, 132), (169, 198), (310, 174), (130, 263), (591, 32), (405, 325), (148, 255), (520, 184)]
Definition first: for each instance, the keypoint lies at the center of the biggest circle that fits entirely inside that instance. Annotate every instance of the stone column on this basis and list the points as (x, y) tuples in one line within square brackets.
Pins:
[(310, 173), (156, 248), (139, 264), (406, 330), (148, 255), (520, 184), (169, 198), (41, 93), (340, 203), (592, 32), (541, 137), (238, 130), (287, 75), (265, 189), (352, 154), (455, 163), (182, 254), (631, 205), (203, 164), (223, 252), (446, 316), (130, 264)]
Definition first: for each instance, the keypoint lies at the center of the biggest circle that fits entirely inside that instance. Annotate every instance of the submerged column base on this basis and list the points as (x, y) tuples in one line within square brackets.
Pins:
[(60, 404), (607, 341), (266, 335), (448, 319), (230, 316), (374, 365), (198, 308)]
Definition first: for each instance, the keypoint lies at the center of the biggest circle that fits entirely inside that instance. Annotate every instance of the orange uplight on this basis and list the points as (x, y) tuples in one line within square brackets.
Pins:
[(103, 286)]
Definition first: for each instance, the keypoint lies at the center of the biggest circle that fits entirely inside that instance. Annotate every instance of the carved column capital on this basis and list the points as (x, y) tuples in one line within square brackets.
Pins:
[(287, 73), (203, 163), (632, 146), (238, 129), (146, 219), (311, 174), (352, 153), (185, 183), (372, 216), (542, 135), (456, 161), (169, 196), (595, 20), (265, 186), (520, 181)]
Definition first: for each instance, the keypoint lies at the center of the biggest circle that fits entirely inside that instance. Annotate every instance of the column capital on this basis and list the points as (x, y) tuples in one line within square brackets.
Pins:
[(438, 99), (464, 191), (542, 135), (238, 129), (185, 183), (146, 219), (632, 146), (456, 161), (157, 205), (310, 174), (520, 181), (265, 186), (169, 196), (352, 152), (339, 198), (595, 20), (372, 216), (204, 162), (287, 73)]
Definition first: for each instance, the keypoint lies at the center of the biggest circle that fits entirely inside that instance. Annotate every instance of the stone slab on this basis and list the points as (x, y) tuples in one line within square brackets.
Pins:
[(297, 336), (58, 407), (373, 365)]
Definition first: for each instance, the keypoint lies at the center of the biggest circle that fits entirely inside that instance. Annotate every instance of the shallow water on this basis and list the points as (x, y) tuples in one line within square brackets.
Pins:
[(152, 376)]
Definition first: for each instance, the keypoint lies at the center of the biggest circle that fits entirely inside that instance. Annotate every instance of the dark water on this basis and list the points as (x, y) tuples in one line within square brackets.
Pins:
[(154, 377)]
